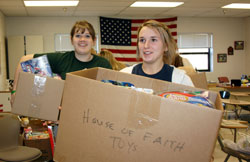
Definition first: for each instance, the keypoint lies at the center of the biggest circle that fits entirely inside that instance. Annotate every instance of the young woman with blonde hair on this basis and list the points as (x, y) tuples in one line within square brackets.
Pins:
[(157, 48)]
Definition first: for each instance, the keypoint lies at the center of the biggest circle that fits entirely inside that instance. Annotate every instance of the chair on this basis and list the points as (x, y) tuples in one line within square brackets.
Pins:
[(225, 95), (234, 125), (223, 79), (231, 152), (10, 150)]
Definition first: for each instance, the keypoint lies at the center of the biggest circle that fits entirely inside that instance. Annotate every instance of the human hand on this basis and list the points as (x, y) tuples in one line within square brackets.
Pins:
[(12, 98)]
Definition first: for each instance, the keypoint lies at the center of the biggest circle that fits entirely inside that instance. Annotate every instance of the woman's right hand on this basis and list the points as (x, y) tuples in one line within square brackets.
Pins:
[(12, 98)]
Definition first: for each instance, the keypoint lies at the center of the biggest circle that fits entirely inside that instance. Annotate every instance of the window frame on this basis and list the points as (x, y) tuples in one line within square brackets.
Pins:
[(191, 44), (208, 58)]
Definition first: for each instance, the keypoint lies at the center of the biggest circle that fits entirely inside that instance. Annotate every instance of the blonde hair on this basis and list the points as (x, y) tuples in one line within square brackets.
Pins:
[(116, 65), (93, 51), (166, 37)]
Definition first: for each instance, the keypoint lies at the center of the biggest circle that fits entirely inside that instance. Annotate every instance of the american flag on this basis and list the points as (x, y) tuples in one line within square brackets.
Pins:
[(120, 36)]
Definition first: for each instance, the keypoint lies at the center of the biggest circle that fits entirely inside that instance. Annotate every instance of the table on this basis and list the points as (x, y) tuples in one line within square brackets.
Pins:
[(235, 88), (234, 124), (240, 94), (235, 103)]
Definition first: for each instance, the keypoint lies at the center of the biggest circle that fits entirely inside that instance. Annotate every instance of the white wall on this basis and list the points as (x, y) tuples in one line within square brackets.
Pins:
[(248, 45), (3, 83), (46, 26), (224, 30)]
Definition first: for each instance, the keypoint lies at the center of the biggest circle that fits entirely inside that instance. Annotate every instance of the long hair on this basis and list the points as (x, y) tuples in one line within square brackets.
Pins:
[(166, 37), (116, 65)]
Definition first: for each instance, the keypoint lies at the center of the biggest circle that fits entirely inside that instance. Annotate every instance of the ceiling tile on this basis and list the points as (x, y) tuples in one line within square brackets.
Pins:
[(11, 3), (14, 11), (105, 3), (208, 8)]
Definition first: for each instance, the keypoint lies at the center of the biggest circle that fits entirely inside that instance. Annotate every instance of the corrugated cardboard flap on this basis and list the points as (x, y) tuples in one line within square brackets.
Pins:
[(38, 96)]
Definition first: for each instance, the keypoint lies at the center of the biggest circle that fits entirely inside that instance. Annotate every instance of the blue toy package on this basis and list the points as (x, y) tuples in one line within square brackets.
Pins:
[(124, 84), (39, 65)]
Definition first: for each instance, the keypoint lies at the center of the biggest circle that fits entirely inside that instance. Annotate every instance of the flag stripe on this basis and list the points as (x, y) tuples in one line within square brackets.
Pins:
[(133, 43), (126, 52), (125, 56), (172, 26), (122, 51), (133, 36), (127, 59), (174, 33), (160, 20)]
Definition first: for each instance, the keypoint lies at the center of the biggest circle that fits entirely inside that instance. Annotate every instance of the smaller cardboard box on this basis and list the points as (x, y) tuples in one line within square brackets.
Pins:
[(101, 122), (38, 96), (43, 145)]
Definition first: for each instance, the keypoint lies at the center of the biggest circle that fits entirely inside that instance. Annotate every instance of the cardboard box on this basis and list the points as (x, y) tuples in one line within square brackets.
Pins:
[(38, 97), (101, 122), (199, 80), (43, 145)]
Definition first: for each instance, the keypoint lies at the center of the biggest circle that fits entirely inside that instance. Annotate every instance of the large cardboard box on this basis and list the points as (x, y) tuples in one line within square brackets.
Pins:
[(101, 122), (38, 96)]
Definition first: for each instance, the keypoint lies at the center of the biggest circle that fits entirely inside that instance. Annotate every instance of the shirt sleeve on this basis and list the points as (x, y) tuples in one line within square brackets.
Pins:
[(179, 76), (128, 69), (106, 64)]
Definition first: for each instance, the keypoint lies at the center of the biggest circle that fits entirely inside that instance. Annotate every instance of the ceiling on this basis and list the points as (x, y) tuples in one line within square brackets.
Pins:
[(120, 8)]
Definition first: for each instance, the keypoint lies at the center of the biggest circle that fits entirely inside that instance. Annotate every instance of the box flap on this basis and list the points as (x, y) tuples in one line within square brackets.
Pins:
[(38, 97)]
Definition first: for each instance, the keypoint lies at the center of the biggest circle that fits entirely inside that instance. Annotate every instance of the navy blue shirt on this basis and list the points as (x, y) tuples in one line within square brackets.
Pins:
[(164, 74)]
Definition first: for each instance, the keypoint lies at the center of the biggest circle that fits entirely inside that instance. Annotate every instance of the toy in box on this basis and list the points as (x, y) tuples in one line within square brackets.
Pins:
[(39, 65)]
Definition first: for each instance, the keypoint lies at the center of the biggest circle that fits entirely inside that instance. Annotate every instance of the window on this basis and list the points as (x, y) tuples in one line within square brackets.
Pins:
[(63, 43), (197, 48)]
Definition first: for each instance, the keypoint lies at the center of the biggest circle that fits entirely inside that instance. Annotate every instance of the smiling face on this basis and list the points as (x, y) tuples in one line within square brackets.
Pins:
[(83, 39), (150, 45), (82, 42)]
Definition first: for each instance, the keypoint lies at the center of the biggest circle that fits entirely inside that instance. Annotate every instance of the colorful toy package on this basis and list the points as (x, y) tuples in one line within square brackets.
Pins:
[(199, 98), (39, 65)]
